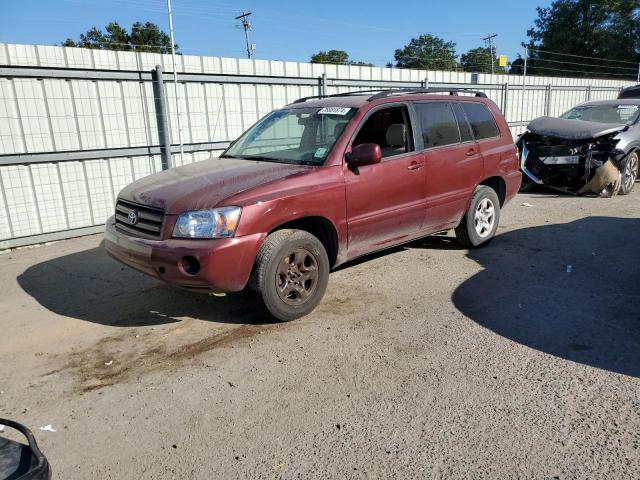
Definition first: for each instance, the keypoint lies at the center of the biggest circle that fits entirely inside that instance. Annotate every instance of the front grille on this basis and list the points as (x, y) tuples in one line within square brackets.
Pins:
[(147, 224)]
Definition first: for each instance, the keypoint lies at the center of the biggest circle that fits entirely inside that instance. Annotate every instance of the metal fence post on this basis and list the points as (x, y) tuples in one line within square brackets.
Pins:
[(547, 106), (160, 100), (588, 93), (323, 85), (505, 99)]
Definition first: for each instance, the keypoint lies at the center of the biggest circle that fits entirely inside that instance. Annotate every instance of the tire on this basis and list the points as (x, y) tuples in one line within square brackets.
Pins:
[(484, 210), (629, 169), (283, 277)]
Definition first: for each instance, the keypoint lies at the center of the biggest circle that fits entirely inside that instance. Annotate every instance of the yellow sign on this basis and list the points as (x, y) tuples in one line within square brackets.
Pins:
[(502, 60)]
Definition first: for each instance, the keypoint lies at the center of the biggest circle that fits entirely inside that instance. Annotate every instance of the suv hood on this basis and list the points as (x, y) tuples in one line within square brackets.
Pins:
[(204, 184), (572, 129)]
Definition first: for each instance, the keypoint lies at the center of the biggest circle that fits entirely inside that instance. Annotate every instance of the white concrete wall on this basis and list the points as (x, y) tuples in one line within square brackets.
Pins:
[(55, 115)]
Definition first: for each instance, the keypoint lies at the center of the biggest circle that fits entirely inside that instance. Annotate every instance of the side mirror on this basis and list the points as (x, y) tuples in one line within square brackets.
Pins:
[(20, 460), (365, 154)]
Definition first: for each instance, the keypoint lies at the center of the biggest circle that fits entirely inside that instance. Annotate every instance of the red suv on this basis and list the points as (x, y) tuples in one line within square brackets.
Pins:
[(315, 184)]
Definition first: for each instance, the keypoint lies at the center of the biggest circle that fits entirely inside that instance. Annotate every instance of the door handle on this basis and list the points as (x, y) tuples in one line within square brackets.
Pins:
[(471, 152), (414, 166)]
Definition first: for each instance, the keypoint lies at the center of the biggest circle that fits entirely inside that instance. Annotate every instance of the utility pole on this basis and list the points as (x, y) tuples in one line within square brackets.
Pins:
[(246, 26), (489, 39), (639, 72), (175, 80), (524, 81)]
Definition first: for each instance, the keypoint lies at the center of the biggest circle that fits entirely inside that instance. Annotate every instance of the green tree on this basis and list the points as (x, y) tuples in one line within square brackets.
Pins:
[(604, 29), (150, 37), (144, 37), (479, 60), (427, 52), (336, 57)]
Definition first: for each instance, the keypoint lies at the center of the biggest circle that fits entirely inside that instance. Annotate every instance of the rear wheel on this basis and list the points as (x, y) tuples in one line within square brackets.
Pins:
[(479, 224), (629, 173), (291, 274)]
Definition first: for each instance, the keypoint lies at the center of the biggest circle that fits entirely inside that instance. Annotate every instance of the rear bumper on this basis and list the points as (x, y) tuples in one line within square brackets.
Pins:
[(225, 264), (512, 182)]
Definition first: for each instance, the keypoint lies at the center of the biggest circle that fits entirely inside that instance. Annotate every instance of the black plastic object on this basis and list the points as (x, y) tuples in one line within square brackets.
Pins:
[(19, 461), (630, 92)]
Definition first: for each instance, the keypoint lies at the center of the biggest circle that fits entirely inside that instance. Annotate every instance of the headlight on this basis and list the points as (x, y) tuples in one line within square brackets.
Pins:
[(215, 223)]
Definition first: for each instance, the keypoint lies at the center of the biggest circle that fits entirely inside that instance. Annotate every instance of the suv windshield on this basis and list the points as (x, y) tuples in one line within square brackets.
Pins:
[(618, 114), (303, 136)]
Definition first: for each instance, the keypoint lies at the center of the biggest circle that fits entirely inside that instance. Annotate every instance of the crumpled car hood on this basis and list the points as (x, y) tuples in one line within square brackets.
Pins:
[(572, 129), (204, 184)]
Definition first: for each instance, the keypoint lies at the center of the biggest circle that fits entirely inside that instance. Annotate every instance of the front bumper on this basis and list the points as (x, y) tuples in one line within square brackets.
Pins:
[(225, 264)]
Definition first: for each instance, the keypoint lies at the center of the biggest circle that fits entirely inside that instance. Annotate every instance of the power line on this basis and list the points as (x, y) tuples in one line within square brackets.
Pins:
[(582, 56), (581, 64)]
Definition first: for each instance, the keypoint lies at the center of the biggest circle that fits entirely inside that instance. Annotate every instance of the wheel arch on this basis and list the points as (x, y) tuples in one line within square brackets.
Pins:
[(320, 227), (498, 184)]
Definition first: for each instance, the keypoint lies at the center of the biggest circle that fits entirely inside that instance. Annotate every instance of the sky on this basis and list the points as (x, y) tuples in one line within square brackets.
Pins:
[(285, 29)]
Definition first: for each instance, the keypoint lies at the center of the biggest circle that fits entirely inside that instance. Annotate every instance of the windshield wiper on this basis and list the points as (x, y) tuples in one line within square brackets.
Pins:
[(256, 158), (259, 158)]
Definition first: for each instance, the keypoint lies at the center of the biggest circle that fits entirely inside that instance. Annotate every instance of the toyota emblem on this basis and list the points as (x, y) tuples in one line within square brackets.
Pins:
[(133, 217)]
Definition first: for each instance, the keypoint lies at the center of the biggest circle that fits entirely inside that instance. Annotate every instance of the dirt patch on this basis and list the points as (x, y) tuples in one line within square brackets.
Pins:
[(127, 356)]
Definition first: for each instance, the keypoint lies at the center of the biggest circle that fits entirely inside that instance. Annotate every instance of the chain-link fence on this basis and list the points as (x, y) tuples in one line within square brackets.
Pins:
[(78, 125)]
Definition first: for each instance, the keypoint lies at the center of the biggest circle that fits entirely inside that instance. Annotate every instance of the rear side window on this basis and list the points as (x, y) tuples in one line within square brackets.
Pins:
[(482, 122), (463, 124), (438, 124)]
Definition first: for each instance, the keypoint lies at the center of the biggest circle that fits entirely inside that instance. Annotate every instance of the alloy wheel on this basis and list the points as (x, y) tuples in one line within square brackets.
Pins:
[(630, 173), (484, 218), (297, 277)]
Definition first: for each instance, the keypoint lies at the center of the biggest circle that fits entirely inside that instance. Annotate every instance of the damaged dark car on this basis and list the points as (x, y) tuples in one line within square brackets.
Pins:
[(594, 148)]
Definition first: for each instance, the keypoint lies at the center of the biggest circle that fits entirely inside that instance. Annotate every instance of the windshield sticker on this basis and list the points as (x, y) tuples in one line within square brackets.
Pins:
[(627, 112), (334, 111), (320, 152)]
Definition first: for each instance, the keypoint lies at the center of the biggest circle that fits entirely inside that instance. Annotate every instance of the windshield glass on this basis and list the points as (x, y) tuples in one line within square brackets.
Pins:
[(302, 136), (618, 114)]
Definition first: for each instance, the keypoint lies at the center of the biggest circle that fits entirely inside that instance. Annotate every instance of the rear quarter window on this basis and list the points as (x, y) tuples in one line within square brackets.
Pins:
[(481, 120)]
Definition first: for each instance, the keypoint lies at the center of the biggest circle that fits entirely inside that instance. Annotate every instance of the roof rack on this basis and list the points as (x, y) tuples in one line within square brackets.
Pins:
[(384, 93)]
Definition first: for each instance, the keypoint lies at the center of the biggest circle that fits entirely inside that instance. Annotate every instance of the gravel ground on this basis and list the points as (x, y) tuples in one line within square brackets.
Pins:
[(426, 361)]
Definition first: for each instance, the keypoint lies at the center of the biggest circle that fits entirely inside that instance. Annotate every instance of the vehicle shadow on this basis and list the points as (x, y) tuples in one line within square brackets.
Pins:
[(432, 242), (90, 285), (587, 313)]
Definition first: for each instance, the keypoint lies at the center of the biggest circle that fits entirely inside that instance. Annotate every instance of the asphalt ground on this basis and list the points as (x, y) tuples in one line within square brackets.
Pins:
[(424, 361)]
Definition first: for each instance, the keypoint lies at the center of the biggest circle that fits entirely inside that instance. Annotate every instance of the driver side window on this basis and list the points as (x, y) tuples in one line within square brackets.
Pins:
[(390, 128)]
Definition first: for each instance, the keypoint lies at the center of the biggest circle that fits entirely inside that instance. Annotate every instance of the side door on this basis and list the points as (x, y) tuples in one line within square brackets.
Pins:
[(385, 201), (453, 162)]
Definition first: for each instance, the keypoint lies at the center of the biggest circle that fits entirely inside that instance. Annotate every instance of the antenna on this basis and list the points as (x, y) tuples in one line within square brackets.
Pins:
[(247, 26), (489, 39)]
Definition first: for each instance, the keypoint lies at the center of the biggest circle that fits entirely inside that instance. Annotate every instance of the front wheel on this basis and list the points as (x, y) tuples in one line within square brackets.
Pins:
[(629, 173), (290, 275), (479, 224)]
